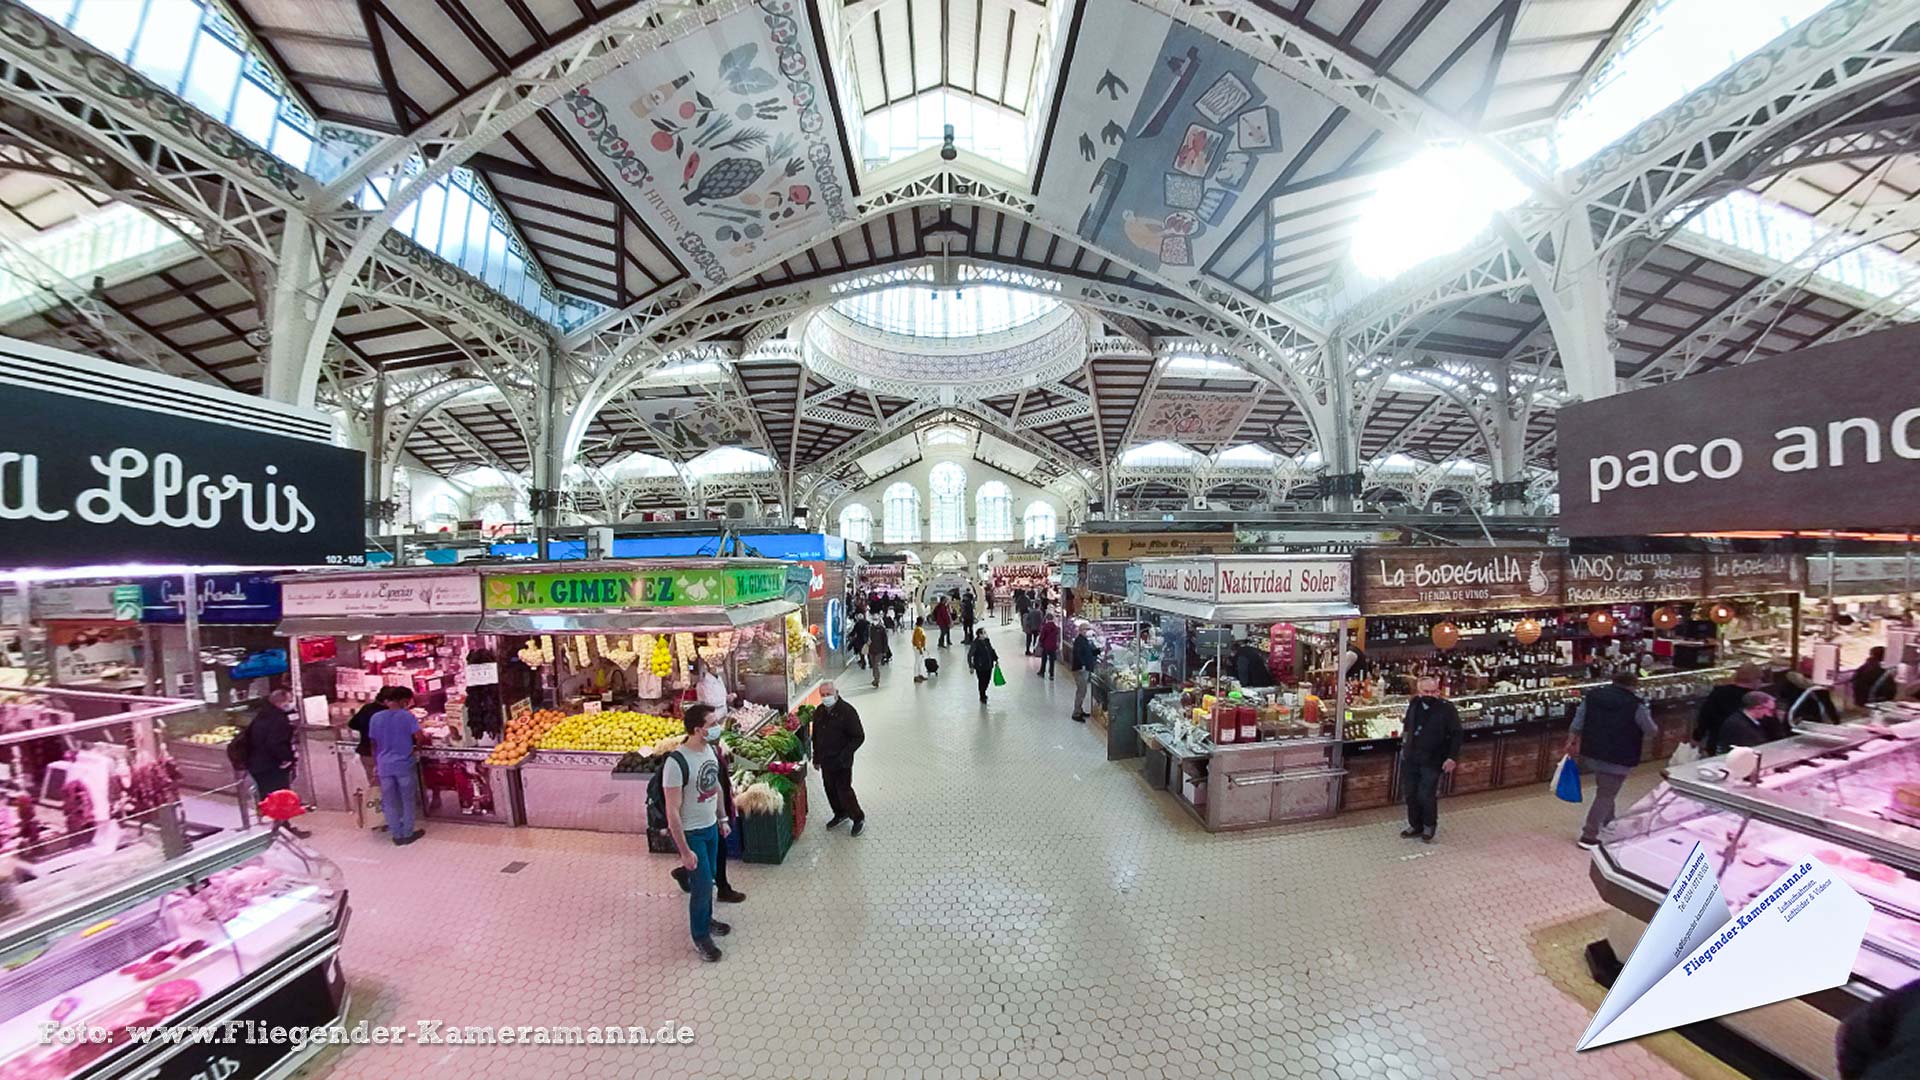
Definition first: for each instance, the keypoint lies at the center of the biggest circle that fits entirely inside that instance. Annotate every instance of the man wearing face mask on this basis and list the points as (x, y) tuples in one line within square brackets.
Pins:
[(690, 780), (723, 889), (836, 735)]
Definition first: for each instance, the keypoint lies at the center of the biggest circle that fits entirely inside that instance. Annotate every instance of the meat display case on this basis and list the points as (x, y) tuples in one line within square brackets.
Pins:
[(1832, 792)]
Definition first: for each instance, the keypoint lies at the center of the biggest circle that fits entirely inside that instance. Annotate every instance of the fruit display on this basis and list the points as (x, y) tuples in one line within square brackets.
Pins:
[(776, 745), (521, 735), (607, 731), (219, 736), (660, 662)]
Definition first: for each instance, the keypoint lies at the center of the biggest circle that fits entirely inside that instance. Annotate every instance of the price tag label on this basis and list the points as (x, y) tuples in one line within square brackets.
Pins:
[(483, 674), (590, 705)]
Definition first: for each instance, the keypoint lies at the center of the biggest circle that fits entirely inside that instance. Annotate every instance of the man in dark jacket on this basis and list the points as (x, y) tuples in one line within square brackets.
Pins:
[(836, 735), (1871, 680), (1429, 747), (966, 614), (1753, 725), (1250, 666), (857, 637), (1721, 702), (1608, 731), (270, 747), (1081, 660), (981, 658), (1030, 624)]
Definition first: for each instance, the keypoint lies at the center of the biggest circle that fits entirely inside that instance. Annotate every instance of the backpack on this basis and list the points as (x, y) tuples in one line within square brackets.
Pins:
[(240, 748), (657, 792)]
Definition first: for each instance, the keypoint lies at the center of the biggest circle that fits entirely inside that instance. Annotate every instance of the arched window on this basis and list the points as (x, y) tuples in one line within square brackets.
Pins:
[(1042, 524), (947, 517), (856, 524), (902, 511), (993, 513)]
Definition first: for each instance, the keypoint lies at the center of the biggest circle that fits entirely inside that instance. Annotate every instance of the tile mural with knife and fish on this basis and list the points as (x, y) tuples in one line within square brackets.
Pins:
[(724, 140), (1166, 138)]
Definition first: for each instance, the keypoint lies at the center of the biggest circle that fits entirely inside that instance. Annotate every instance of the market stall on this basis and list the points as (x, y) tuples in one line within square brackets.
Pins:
[(1514, 636), (1846, 795), (1241, 753), (124, 903)]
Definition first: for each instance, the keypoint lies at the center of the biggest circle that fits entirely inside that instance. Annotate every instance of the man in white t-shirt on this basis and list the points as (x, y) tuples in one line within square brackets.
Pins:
[(693, 801)]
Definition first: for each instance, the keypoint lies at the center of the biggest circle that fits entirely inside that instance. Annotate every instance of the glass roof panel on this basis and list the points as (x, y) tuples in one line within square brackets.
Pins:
[(968, 311)]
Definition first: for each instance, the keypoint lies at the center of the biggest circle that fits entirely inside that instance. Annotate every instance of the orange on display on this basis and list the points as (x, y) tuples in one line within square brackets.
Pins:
[(1446, 635)]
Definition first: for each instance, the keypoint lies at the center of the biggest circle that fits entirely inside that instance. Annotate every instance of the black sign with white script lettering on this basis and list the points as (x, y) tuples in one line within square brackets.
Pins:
[(1822, 438), (86, 483)]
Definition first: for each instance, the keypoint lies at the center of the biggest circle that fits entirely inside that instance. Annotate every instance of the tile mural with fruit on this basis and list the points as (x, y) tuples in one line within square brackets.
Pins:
[(726, 140)]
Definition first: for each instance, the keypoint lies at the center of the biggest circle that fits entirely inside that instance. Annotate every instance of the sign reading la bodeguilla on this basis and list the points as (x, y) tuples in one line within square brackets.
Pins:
[(1823, 438), (1406, 581), (1734, 575)]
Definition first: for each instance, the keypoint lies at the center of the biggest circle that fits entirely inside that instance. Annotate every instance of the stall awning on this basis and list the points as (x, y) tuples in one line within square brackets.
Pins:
[(1248, 613), (627, 622), (331, 625)]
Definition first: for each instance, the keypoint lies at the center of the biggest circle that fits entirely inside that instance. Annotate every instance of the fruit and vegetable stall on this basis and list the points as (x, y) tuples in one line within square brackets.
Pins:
[(537, 681)]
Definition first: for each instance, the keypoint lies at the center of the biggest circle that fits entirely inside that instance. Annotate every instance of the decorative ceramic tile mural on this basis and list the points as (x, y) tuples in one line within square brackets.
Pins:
[(1198, 418), (1165, 138), (724, 141)]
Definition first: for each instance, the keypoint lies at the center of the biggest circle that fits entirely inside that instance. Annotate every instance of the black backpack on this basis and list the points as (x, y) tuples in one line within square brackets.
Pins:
[(657, 792), (240, 748)]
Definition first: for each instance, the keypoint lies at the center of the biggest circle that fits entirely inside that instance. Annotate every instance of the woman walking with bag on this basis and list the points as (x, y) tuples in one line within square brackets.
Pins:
[(983, 660)]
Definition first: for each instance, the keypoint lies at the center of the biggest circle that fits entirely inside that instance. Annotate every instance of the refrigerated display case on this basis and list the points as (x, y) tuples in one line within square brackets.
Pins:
[(1849, 796)]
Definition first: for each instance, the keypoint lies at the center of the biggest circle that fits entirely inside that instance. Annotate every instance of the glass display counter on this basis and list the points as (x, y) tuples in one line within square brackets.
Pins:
[(1849, 796)]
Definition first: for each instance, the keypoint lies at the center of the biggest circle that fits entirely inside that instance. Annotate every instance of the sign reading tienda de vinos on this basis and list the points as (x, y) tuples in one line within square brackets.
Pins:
[(1822, 438), (104, 464)]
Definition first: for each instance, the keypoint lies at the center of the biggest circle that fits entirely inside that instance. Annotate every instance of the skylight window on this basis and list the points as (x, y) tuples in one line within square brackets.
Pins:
[(1248, 455), (724, 460), (924, 311), (106, 243), (1203, 367), (1161, 455), (1781, 233), (687, 371), (1433, 204), (1677, 47), (948, 435), (981, 127)]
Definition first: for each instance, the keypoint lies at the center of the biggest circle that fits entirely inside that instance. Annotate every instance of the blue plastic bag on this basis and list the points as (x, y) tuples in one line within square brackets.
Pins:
[(1566, 780), (261, 665)]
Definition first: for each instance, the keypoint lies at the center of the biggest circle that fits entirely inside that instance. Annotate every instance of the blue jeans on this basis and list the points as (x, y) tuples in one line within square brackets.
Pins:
[(706, 848), (398, 797)]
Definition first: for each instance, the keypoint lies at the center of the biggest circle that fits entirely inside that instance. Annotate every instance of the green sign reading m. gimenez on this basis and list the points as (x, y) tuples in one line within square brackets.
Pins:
[(590, 591)]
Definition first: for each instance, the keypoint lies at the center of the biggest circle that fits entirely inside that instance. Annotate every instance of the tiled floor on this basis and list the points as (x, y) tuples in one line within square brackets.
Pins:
[(1018, 907)]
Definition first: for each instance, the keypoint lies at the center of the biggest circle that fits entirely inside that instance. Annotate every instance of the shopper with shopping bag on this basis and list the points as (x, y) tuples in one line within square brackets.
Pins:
[(985, 663), (1608, 730)]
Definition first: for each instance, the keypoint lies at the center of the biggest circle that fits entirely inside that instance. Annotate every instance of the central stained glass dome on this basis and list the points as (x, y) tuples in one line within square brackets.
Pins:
[(952, 342)]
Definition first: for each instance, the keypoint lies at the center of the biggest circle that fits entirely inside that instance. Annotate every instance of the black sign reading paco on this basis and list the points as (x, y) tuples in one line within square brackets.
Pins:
[(1827, 437), (86, 482)]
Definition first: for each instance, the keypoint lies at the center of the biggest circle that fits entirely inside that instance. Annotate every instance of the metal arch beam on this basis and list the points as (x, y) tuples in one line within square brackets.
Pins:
[(1636, 182), (718, 317), (412, 164), (650, 325)]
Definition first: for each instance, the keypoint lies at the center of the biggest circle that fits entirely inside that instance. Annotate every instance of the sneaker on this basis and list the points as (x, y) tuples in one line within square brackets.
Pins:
[(835, 820), (707, 949), (1587, 845), (1409, 833), (859, 826), (718, 928), (417, 834), (730, 896)]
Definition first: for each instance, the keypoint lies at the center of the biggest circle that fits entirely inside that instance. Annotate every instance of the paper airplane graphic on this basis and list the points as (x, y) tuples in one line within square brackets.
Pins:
[(1697, 960)]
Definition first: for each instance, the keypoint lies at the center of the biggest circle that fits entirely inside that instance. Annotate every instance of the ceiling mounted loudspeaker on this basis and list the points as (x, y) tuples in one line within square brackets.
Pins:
[(1199, 502), (947, 151)]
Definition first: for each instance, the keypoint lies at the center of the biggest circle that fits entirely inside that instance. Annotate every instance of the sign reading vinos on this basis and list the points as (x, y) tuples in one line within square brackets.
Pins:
[(1399, 581), (640, 588), (1620, 578)]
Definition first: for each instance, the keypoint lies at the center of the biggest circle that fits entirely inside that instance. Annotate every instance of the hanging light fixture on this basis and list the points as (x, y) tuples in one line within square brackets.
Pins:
[(1665, 618), (1722, 613), (1446, 635), (1600, 623), (1527, 631)]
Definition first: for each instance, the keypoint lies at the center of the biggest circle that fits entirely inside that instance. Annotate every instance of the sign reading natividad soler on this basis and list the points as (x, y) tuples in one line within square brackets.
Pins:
[(1822, 438)]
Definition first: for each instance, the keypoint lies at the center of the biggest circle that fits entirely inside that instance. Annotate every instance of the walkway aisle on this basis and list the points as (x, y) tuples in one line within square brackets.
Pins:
[(1018, 907)]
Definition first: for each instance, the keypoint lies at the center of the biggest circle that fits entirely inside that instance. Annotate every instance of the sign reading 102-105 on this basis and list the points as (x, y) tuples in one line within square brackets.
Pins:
[(1822, 438), (86, 482)]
